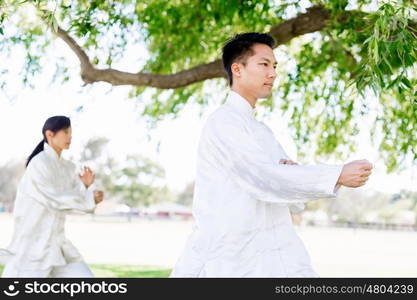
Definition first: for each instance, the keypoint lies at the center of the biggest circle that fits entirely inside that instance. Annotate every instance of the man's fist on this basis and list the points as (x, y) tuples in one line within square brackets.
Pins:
[(98, 196), (355, 173)]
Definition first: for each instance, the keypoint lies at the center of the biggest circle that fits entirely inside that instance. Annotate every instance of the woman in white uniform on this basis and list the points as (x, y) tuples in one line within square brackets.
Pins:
[(49, 189)]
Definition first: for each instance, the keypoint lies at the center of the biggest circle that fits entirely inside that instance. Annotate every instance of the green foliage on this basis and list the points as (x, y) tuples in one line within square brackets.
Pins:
[(366, 52), (341, 69), (313, 93), (197, 28)]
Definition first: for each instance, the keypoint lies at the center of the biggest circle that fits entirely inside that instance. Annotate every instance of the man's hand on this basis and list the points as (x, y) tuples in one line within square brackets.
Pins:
[(355, 173), (87, 177), (287, 162), (98, 196)]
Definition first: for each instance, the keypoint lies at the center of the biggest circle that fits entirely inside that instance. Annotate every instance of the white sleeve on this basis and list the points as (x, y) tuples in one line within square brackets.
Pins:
[(40, 186), (252, 169), (278, 145)]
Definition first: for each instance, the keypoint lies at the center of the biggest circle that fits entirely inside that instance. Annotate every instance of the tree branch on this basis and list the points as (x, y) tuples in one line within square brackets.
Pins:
[(313, 20)]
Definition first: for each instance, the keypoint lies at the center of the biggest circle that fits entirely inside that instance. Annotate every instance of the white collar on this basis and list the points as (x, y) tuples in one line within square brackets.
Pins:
[(241, 104), (51, 151)]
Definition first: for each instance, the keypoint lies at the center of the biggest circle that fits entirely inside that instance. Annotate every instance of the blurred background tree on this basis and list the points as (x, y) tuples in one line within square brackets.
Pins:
[(186, 195), (140, 182), (10, 175), (136, 181)]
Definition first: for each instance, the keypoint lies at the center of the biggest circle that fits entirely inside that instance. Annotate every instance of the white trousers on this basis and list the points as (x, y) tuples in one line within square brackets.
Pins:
[(76, 269)]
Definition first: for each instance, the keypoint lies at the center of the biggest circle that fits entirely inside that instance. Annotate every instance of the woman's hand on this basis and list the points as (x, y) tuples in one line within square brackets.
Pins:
[(87, 177)]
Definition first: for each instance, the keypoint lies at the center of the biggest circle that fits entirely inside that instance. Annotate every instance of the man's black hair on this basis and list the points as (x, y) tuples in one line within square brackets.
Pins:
[(239, 47)]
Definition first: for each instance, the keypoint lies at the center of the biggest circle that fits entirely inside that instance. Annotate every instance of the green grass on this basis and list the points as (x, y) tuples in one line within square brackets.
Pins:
[(125, 271)]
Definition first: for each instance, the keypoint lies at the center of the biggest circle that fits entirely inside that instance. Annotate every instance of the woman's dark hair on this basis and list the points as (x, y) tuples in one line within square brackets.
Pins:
[(53, 124), (239, 47)]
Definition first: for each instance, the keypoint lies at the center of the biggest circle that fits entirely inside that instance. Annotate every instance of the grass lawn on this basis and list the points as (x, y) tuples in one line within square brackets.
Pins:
[(123, 271)]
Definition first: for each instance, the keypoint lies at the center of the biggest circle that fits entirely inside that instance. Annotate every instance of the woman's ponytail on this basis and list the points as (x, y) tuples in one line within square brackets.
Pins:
[(39, 148)]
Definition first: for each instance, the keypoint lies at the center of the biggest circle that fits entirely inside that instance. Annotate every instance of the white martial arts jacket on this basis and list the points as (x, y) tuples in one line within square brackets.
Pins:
[(243, 226), (48, 190)]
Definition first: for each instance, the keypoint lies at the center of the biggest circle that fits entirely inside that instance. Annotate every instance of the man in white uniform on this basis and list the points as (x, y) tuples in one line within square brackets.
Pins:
[(246, 184)]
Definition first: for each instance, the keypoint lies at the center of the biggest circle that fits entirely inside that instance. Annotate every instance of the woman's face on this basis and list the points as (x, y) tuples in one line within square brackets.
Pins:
[(60, 139)]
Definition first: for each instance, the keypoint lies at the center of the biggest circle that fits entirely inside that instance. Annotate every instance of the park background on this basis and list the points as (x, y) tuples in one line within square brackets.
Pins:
[(344, 91)]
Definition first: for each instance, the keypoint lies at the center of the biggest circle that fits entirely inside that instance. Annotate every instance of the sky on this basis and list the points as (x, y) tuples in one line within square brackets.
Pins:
[(109, 112)]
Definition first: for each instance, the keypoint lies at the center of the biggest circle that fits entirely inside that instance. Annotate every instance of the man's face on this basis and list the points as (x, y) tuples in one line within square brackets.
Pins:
[(257, 75), (62, 138)]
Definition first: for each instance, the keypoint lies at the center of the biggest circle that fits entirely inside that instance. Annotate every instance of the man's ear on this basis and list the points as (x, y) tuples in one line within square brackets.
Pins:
[(235, 67)]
